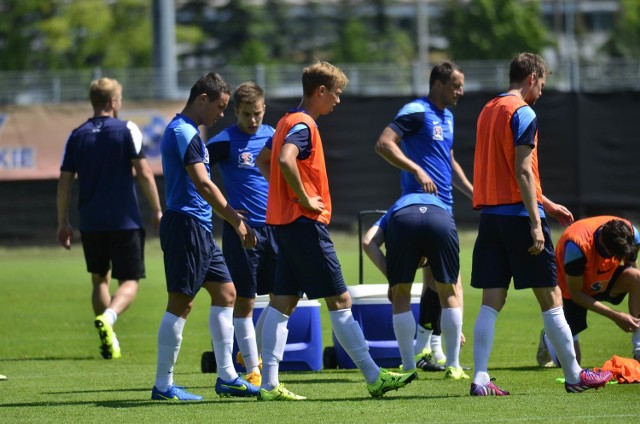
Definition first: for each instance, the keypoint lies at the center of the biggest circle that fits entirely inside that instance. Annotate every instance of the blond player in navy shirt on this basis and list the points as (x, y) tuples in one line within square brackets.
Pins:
[(103, 152)]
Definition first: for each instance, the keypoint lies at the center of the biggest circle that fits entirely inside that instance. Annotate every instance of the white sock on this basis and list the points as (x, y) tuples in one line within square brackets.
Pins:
[(350, 337), (169, 341), (423, 338), (635, 343), (246, 338), (436, 347), (259, 325), (552, 352), (404, 327), (483, 333), (451, 323), (559, 334), (111, 316), (221, 329), (274, 341)]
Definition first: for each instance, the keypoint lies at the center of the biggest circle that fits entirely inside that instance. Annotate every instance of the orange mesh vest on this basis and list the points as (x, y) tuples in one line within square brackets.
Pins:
[(597, 270), (494, 181), (282, 203)]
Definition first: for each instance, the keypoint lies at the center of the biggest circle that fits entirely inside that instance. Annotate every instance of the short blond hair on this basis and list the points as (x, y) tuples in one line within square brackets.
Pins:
[(102, 91), (322, 73)]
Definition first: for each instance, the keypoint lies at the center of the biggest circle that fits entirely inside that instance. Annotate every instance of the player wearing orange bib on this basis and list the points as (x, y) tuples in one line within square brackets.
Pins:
[(514, 241), (596, 260), (299, 209)]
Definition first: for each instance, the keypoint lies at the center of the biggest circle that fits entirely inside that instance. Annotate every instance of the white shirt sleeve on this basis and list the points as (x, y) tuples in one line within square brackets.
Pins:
[(136, 135)]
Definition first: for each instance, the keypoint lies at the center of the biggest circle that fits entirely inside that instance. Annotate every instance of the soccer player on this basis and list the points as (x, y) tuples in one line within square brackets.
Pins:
[(416, 229), (299, 206), (104, 152), (419, 141), (596, 260), (192, 259), (513, 237), (253, 270)]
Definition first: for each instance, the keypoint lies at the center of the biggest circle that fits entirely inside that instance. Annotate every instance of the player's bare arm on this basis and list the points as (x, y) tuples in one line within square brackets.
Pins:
[(147, 182), (212, 194), (526, 184), (263, 162), (371, 243), (388, 146), (558, 212), (624, 321), (289, 168), (459, 179), (65, 230)]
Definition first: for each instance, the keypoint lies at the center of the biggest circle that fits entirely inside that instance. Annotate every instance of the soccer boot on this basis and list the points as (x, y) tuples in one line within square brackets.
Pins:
[(254, 378), (455, 374), (489, 389), (589, 380), (279, 393), (110, 347), (426, 362), (237, 388), (173, 393), (388, 380), (543, 357)]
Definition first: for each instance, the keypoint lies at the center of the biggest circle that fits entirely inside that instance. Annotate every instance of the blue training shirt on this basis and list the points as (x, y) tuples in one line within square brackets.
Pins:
[(408, 200), (235, 152), (100, 152), (181, 145), (427, 139)]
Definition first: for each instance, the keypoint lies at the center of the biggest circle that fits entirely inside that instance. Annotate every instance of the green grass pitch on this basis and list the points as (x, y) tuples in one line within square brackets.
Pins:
[(49, 352)]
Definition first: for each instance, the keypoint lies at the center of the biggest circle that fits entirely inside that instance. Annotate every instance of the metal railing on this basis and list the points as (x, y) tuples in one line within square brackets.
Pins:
[(35, 87)]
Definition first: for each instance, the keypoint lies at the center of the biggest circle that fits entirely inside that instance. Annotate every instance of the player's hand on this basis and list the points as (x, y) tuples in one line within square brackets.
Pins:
[(247, 235), (463, 340), (538, 240), (314, 204), (560, 213), (626, 322), (427, 184), (156, 217), (65, 236)]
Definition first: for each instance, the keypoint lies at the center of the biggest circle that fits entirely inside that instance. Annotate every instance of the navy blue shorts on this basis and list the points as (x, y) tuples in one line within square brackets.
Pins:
[(418, 231), (122, 250), (191, 255), (253, 270), (501, 252), (576, 315), (307, 261)]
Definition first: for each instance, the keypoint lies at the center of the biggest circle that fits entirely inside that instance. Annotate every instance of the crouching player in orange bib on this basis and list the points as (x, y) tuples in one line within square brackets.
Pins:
[(596, 261)]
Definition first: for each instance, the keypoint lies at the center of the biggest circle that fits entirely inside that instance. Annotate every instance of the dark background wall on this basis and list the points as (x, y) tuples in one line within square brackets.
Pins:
[(589, 151)]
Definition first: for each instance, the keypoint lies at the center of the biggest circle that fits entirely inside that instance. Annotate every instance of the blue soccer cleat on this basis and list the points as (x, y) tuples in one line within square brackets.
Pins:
[(174, 393), (237, 388)]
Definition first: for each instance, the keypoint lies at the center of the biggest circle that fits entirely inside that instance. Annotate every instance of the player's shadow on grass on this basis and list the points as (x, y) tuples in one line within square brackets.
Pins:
[(51, 358), (520, 368)]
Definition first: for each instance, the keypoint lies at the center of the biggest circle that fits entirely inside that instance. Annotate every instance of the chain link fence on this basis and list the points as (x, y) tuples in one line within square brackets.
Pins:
[(280, 81)]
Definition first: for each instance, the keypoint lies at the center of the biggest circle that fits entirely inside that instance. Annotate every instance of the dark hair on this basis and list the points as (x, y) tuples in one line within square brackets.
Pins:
[(210, 84), (617, 237), (526, 64), (443, 72)]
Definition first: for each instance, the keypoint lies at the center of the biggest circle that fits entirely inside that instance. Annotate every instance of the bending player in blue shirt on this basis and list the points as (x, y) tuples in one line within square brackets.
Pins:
[(235, 149), (419, 141)]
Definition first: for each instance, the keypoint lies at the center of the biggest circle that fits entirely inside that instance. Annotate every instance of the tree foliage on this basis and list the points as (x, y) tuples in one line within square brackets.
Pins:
[(624, 41), (493, 29), (79, 34)]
